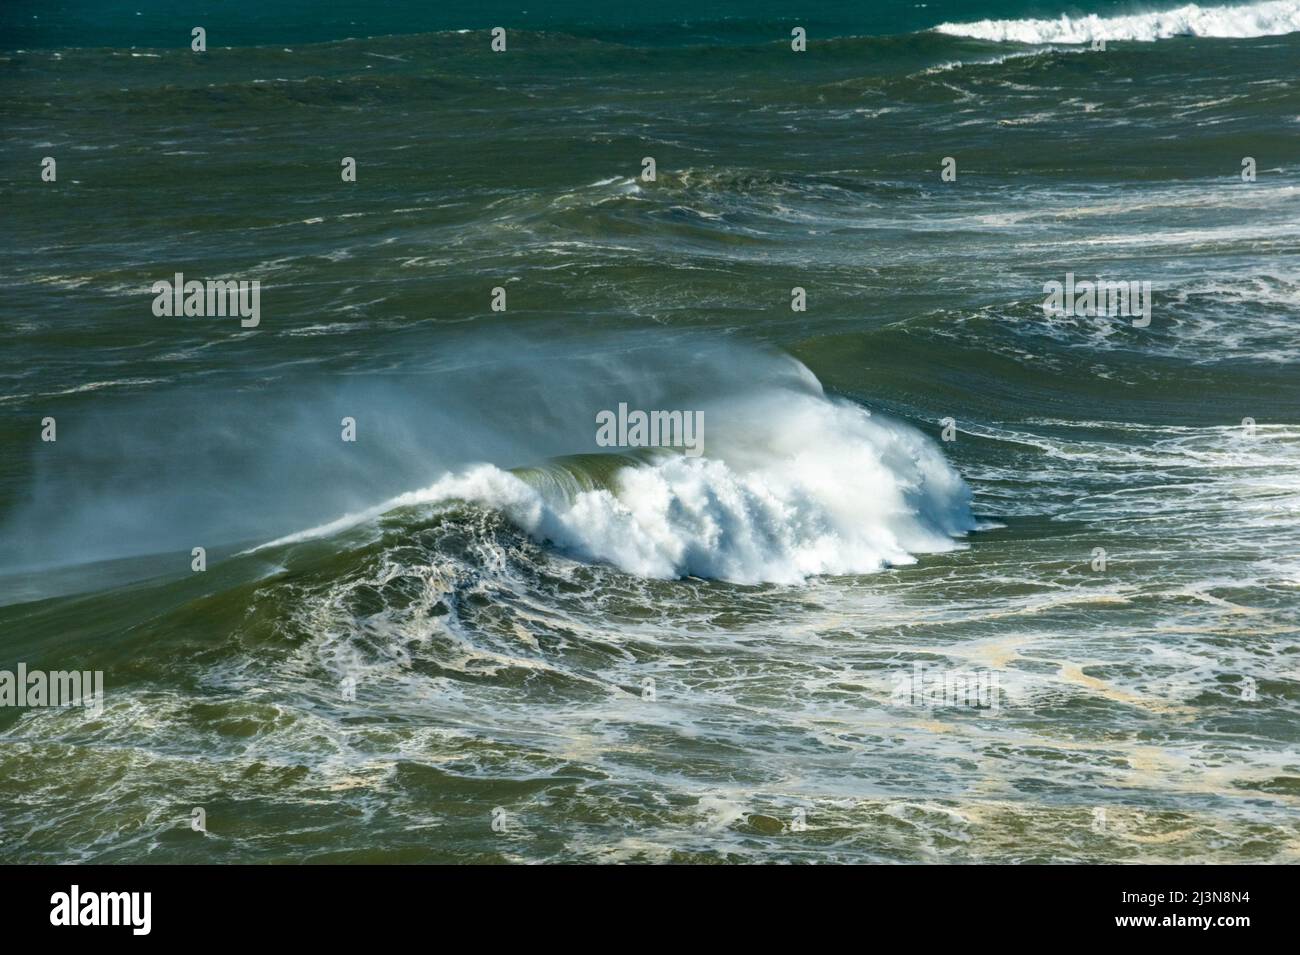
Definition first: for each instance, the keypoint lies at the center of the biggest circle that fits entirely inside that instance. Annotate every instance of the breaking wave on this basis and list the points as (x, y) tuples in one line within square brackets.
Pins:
[(792, 485), (1260, 19)]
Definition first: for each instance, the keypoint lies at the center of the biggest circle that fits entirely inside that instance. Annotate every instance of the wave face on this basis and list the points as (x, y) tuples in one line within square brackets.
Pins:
[(1261, 19), (794, 485)]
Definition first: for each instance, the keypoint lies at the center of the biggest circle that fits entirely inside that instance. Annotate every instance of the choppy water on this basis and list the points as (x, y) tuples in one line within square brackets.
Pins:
[(654, 657)]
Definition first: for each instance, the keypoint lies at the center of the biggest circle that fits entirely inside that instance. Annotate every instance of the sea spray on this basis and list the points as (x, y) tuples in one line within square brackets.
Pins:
[(795, 485)]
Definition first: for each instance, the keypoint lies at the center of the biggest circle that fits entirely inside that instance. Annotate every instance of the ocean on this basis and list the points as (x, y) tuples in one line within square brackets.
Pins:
[(954, 577)]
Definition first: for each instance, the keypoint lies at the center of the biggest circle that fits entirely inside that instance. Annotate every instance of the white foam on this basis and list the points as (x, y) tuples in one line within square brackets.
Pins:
[(1271, 18), (791, 486)]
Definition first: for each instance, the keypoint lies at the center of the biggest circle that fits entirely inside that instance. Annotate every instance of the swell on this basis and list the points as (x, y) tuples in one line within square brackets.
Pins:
[(914, 70)]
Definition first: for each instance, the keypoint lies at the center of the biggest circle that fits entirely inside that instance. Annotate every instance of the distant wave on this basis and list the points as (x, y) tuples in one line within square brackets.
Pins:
[(1259, 19)]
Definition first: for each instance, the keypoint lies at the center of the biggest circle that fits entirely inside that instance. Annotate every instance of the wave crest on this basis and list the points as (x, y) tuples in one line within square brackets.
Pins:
[(1271, 18), (794, 486)]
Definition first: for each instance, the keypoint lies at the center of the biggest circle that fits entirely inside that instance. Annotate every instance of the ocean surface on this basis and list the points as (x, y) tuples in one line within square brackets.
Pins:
[(563, 652)]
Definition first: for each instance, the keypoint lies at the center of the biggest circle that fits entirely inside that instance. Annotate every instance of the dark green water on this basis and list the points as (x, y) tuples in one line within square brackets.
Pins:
[(644, 657)]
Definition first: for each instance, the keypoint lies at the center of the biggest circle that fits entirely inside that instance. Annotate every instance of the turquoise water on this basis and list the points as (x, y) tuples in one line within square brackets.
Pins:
[(154, 23), (647, 656)]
